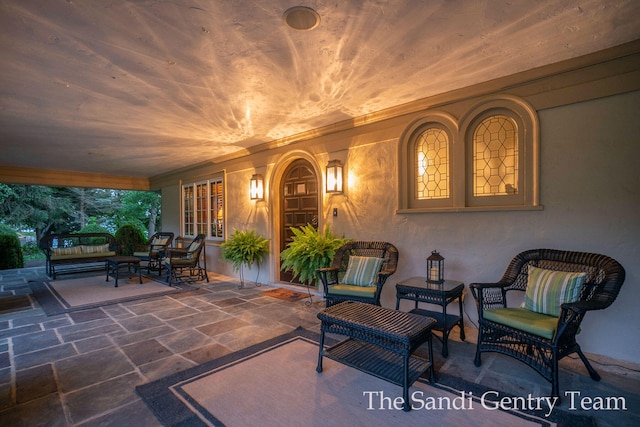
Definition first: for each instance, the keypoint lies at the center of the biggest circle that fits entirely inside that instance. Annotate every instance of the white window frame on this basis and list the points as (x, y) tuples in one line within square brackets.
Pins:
[(205, 223)]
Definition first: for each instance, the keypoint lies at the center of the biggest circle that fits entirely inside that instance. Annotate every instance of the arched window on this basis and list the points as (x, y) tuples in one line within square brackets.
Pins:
[(487, 160), (425, 163), (496, 147), (432, 164)]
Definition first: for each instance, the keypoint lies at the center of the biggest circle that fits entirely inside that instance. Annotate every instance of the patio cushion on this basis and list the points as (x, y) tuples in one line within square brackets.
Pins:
[(524, 320), (547, 290), (353, 290), (74, 250), (92, 249), (362, 271)]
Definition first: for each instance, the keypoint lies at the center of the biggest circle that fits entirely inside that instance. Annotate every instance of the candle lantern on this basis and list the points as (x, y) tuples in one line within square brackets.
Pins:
[(435, 268)]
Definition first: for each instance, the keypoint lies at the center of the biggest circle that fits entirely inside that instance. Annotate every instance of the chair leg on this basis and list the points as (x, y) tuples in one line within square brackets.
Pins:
[(477, 361), (592, 372)]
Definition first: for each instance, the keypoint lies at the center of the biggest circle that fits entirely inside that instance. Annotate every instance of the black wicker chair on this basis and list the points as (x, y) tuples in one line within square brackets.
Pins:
[(602, 284), (187, 264), (335, 291), (155, 251)]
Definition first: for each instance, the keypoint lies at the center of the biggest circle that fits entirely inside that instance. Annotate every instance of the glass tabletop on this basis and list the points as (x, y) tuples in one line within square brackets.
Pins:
[(421, 282)]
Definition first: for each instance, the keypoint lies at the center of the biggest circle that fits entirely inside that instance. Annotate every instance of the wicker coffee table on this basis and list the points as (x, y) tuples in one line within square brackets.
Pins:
[(381, 342)]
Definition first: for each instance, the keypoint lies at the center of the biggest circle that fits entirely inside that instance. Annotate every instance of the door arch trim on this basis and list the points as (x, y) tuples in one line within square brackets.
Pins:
[(275, 179)]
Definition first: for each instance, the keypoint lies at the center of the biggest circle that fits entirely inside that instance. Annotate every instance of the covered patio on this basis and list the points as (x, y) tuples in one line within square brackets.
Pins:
[(53, 367)]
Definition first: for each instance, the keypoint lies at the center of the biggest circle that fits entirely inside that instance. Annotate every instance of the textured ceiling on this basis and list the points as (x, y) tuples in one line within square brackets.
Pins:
[(142, 87)]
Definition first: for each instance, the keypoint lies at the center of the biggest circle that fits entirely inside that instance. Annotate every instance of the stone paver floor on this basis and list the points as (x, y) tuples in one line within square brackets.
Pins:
[(81, 368)]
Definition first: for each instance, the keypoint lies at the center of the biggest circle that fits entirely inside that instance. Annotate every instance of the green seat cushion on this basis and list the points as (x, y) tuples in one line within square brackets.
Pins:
[(524, 320), (547, 290), (362, 271), (353, 291)]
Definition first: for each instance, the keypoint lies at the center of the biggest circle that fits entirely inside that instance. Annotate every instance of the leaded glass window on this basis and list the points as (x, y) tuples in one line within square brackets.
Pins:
[(495, 157), (432, 164)]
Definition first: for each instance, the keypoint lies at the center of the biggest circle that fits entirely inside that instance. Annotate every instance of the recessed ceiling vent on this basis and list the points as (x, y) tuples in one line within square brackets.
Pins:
[(301, 18)]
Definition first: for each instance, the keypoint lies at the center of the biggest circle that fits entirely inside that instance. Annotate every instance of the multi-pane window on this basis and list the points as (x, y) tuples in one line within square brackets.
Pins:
[(432, 164), (217, 211), (188, 203), (203, 211), (495, 157)]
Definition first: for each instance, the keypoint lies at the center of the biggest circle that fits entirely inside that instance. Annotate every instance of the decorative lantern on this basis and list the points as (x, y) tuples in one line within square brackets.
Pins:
[(334, 176), (257, 187), (435, 268)]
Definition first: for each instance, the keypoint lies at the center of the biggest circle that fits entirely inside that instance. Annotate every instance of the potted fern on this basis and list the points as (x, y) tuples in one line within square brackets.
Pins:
[(244, 248), (310, 250)]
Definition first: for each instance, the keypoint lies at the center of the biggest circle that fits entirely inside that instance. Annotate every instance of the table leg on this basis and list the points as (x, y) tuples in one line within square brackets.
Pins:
[(139, 274), (432, 377), (117, 267), (405, 383), (320, 350), (461, 318)]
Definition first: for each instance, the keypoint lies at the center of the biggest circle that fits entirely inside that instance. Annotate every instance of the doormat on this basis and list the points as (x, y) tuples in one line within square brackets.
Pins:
[(285, 294)]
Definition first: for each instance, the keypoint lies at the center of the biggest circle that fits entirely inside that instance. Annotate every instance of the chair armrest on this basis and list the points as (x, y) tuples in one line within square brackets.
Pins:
[(328, 276), (489, 295), (177, 252)]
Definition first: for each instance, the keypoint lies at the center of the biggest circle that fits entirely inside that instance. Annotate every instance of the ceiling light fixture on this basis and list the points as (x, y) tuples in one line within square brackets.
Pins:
[(301, 18)]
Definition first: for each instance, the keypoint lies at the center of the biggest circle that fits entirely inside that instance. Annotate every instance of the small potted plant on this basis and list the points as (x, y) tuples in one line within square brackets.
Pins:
[(244, 248), (310, 250)]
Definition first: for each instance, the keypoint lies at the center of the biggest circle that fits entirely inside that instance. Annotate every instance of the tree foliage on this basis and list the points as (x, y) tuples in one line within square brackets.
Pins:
[(67, 209)]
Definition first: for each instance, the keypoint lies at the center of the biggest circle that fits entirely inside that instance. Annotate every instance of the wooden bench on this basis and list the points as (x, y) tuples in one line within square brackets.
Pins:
[(76, 248), (381, 342)]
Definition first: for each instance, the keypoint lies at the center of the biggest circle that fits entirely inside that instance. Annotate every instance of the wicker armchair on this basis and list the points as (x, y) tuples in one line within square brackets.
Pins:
[(187, 264), (336, 291), (541, 340), (154, 252)]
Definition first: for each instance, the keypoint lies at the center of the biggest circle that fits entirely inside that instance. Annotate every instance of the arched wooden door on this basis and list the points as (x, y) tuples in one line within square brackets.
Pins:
[(299, 203)]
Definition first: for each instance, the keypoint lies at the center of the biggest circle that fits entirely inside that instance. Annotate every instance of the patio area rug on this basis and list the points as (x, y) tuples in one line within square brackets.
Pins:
[(81, 293), (275, 383), (285, 294)]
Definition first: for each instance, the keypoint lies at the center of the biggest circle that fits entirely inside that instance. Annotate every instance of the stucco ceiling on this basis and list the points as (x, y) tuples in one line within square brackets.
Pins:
[(143, 87)]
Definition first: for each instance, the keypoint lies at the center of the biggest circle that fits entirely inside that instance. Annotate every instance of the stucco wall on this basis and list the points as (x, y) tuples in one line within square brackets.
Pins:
[(589, 188)]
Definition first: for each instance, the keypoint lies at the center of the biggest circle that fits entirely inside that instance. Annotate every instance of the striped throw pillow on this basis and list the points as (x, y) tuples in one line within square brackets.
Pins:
[(548, 289), (362, 271)]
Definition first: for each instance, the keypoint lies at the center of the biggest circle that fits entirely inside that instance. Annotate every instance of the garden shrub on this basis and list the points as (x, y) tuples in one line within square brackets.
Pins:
[(10, 249), (127, 236)]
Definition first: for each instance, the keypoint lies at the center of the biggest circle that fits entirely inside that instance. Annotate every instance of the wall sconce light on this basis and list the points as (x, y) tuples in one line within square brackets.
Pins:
[(334, 176), (257, 187), (435, 268)]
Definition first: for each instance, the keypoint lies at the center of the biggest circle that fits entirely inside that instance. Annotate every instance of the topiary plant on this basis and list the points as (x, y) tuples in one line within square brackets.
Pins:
[(310, 250), (10, 249), (127, 237), (243, 248)]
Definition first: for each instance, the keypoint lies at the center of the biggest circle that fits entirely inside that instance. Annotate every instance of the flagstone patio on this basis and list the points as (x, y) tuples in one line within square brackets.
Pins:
[(81, 368)]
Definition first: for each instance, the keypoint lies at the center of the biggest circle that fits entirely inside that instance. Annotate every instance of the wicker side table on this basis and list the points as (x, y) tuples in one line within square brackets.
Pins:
[(418, 290), (381, 342)]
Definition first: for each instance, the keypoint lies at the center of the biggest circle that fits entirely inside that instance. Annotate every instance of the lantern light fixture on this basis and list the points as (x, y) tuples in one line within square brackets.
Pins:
[(435, 268), (257, 187), (334, 176)]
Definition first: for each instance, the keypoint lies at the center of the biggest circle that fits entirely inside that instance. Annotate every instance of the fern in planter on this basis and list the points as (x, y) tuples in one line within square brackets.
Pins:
[(243, 248), (310, 250)]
